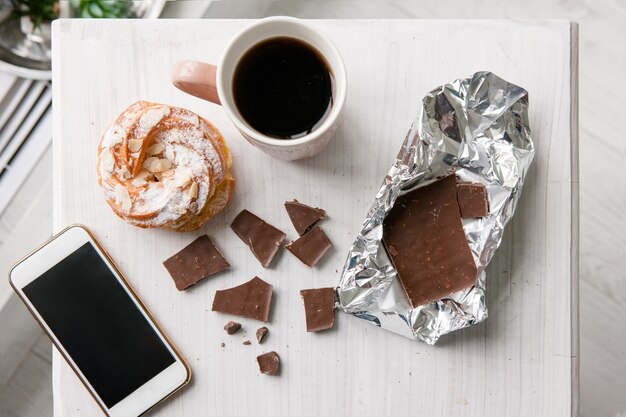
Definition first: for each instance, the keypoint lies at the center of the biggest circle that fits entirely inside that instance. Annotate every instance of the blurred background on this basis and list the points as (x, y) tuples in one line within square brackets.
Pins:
[(26, 160)]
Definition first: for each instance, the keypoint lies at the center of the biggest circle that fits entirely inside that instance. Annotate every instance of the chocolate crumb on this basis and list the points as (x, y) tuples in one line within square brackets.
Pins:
[(232, 327), (222, 344), (269, 363), (246, 342), (261, 333)]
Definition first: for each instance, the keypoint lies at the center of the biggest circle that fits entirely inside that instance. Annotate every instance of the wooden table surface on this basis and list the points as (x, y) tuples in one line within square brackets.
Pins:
[(522, 361)]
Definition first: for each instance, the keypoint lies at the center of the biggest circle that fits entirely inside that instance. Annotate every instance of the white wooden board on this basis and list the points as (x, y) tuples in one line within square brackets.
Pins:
[(521, 362)]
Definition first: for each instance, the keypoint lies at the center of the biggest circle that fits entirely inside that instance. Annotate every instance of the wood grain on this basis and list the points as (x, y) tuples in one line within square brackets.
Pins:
[(521, 362)]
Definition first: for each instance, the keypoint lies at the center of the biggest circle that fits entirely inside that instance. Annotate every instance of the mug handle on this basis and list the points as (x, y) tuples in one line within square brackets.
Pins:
[(196, 78)]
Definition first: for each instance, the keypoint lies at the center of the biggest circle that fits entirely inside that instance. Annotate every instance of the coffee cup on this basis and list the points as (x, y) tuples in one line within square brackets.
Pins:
[(220, 84)]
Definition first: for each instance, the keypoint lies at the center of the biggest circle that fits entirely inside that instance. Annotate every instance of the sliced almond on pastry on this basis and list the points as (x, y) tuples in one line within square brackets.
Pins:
[(156, 149), (193, 190), (168, 173), (160, 165), (107, 160), (143, 174), (134, 145), (154, 164), (147, 163), (141, 178), (122, 197), (193, 207), (166, 164), (152, 117), (111, 139)]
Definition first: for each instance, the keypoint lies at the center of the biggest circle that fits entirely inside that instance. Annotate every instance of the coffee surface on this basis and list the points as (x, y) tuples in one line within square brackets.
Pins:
[(283, 88)]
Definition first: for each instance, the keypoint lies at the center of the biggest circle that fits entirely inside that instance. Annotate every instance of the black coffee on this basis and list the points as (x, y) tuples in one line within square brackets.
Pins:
[(283, 88)]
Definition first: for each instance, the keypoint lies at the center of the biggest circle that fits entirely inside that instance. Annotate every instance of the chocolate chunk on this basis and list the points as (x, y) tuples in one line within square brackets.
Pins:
[(263, 239), (246, 342), (424, 237), (200, 259), (261, 332), (251, 299), (302, 216), (310, 247), (472, 200), (232, 327), (269, 363), (319, 307)]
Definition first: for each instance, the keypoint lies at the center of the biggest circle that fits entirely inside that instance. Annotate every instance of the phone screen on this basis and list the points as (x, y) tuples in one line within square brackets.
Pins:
[(99, 325)]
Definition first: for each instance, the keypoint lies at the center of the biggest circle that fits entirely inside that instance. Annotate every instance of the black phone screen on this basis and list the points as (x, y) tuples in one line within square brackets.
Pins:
[(99, 325)]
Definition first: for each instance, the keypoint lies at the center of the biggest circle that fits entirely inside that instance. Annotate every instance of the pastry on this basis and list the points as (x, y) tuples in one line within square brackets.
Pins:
[(164, 166)]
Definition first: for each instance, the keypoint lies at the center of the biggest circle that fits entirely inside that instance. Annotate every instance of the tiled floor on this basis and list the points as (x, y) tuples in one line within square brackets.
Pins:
[(602, 180), (29, 391)]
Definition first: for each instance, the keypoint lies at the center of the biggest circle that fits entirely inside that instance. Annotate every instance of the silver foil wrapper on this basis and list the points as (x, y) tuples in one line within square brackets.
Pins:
[(478, 128)]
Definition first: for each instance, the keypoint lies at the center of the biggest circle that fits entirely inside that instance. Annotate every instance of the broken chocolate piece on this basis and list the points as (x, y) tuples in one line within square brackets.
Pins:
[(472, 198), (200, 259), (263, 239), (269, 363), (261, 333), (310, 247), (232, 327), (246, 342), (424, 237), (319, 307), (251, 299), (303, 217)]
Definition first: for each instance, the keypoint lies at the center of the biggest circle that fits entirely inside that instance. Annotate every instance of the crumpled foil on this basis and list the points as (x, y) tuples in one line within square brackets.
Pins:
[(478, 128)]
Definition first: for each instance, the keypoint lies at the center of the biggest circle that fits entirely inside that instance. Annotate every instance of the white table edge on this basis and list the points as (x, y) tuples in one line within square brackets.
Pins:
[(574, 135)]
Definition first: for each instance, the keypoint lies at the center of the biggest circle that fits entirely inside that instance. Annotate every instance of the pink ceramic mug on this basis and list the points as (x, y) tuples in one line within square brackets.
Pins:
[(214, 83)]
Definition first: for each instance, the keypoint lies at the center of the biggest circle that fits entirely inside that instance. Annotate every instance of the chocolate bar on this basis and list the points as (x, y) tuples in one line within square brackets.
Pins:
[(424, 237), (310, 247), (472, 198), (196, 261), (319, 308), (263, 239), (251, 299), (303, 217)]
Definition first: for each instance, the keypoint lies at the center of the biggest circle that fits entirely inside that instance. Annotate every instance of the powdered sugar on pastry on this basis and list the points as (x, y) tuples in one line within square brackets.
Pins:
[(180, 164)]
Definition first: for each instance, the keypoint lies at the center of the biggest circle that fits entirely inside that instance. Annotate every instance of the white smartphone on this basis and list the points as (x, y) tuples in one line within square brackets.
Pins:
[(97, 322)]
